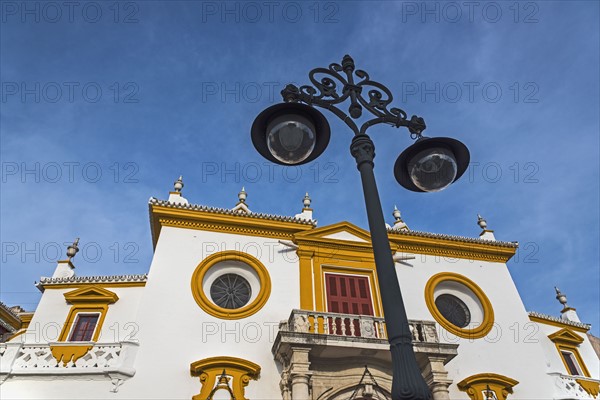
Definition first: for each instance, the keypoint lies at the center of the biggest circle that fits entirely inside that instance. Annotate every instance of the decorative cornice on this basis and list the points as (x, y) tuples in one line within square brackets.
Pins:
[(556, 321), (452, 246), (454, 238), (225, 211), (193, 216), (101, 280)]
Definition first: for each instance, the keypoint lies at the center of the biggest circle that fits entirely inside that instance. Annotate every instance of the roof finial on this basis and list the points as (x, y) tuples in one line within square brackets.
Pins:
[(73, 249), (306, 201), (561, 297), (242, 195), (398, 222), (178, 184), (481, 222), (396, 214)]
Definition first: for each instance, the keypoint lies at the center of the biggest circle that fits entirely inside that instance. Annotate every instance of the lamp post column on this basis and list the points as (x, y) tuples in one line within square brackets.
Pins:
[(407, 383)]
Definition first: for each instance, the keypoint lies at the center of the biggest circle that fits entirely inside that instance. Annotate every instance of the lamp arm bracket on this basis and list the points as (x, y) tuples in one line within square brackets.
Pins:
[(330, 87)]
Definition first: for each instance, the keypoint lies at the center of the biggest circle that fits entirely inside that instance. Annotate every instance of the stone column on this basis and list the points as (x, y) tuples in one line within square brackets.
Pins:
[(436, 376), (300, 387), (300, 373)]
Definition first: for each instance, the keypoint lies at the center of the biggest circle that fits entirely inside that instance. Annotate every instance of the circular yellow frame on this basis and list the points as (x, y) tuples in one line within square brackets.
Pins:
[(488, 312), (225, 313)]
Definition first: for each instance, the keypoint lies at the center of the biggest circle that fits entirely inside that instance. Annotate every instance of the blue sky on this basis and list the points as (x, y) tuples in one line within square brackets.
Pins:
[(105, 104)]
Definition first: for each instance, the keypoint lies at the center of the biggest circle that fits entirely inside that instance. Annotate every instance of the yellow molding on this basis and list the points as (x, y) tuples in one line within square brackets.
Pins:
[(86, 300), (368, 270), (208, 369), (224, 313), (91, 308), (467, 333), (567, 340), (556, 323), (90, 295), (475, 385), (70, 353), (25, 319), (239, 223), (305, 280), (343, 226), (573, 349), (591, 387), (89, 284), (566, 336)]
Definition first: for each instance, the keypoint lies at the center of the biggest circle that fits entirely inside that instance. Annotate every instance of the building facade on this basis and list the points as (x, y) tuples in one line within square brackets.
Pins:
[(244, 305)]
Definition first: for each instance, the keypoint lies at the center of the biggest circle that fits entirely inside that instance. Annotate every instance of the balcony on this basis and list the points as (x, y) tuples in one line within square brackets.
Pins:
[(98, 361), (574, 387), (331, 350), (348, 330)]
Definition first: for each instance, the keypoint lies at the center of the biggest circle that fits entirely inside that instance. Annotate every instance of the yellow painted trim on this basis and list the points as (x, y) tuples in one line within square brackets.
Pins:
[(475, 385), (211, 308), (208, 369), (591, 387), (575, 351), (85, 284), (83, 309), (566, 336), (468, 333), (238, 224), (334, 256), (69, 353), (344, 226), (25, 319), (85, 300), (92, 294), (567, 340), (305, 275), (556, 323), (370, 273)]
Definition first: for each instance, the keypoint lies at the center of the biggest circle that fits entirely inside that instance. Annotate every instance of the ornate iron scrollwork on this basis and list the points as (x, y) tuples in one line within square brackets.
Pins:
[(331, 87)]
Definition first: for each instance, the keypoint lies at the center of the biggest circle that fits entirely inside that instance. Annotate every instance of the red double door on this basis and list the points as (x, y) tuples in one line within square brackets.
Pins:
[(347, 294)]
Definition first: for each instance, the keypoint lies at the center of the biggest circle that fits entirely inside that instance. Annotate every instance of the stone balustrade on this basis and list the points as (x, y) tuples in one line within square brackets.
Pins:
[(349, 325), (109, 360), (574, 387)]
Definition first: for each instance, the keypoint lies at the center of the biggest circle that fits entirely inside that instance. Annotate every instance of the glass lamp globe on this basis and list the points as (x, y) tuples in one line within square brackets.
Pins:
[(290, 133), (431, 164), (432, 170), (291, 138)]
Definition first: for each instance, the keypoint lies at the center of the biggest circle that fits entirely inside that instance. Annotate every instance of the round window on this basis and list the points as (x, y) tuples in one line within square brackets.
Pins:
[(230, 291), (453, 309), (231, 285), (459, 305)]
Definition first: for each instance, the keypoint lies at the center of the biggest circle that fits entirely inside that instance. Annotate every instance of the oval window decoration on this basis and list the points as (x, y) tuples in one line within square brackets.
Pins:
[(231, 285), (459, 305)]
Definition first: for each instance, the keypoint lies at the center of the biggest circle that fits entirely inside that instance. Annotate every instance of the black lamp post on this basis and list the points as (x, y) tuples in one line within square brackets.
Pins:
[(294, 133)]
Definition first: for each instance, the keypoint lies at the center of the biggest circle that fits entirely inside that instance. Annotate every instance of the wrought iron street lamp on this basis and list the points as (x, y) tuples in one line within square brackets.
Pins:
[(294, 133)]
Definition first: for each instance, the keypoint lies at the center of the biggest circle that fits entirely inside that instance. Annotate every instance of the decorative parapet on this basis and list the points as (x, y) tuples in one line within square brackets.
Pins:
[(574, 387), (110, 361)]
